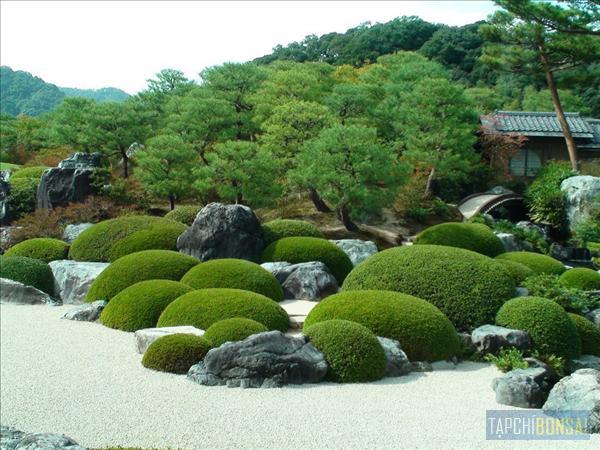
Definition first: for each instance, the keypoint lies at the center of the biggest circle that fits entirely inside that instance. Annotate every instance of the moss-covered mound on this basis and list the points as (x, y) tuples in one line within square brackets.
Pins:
[(140, 305), (467, 287), (423, 331), (204, 307), (304, 249), (184, 214), (159, 237), (44, 249), (96, 243), (136, 267), (175, 353), (231, 330), (352, 351), (471, 236), (282, 228), (29, 271), (519, 272), (589, 335), (234, 274), (581, 278), (35, 172), (550, 328), (540, 264)]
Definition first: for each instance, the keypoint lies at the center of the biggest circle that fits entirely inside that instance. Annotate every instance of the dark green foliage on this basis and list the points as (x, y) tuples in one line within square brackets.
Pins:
[(508, 359), (184, 214), (231, 330), (140, 305), (22, 197), (589, 335), (282, 228), (548, 324), (572, 299), (162, 236), (519, 272), (204, 307), (29, 172), (540, 264), (234, 274), (466, 286), (423, 331), (175, 353), (471, 236), (44, 249), (136, 267), (304, 249), (23, 93), (581, 278), (29, 271)]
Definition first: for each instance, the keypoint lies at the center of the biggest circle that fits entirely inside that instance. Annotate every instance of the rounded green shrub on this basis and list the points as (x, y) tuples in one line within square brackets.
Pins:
[(467, 287), (589, 335), (29, 271), (231, 330), (581, 278), (22, 197), (96, 243), (35, 172), (304, 249), (423, 331), (44, 249), (540, 264), (140, 305), (282, 228), (136, 267), (204, 307), (234, 274), (519, 272), (551, 330), (184, 214), (175, 353), (159, 237), (353, 353), (471, 236)]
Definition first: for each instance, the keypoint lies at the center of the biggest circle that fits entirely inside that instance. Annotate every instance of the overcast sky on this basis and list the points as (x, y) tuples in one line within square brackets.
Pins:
[(97, 44)]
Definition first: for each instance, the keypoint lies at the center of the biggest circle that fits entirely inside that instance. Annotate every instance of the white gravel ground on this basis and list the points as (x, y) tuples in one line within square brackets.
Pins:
[(86, 381)]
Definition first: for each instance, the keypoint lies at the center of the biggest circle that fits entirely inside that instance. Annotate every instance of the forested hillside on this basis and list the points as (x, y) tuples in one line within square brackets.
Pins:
[(108, 94)]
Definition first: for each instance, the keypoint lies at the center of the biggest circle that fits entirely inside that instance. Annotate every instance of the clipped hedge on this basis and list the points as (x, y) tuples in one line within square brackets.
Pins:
[(231, 330), (136, 267), (581, 278), (29, 271), (140, 305), (304, 249), (184, 214), (204, 307), (423, 331), (589, 335), (540, 264), (175, 353), (159, 237), (471, 236), (352, 351), (234, 274), (519, 272), (282, 228), (467, 287), (550, 328), (44, 249)]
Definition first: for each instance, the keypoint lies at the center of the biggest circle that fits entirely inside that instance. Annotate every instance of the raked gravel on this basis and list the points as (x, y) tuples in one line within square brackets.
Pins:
[(86, 381)]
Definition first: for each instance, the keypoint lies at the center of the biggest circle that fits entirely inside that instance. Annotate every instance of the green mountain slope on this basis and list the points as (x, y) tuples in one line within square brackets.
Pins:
[(108, 94)]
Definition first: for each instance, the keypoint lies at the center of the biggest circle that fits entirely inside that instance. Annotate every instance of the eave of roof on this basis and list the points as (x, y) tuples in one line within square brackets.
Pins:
[(542, 124)]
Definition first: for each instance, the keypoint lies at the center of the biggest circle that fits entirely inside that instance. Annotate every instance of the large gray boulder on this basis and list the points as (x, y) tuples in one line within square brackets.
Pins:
[(397, 363), (73, 230), (578, 392), (581, 196), (356, 249), (492, 338), (20, 294), (4, 192), (309, 281), (12, 439), (269, 359), (524, 388), (72, 279), (88, 312), (223, 231), (147, 336)]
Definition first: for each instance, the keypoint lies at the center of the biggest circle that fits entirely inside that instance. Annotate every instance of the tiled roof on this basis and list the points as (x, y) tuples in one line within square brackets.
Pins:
[(595, 127), (537, 123)]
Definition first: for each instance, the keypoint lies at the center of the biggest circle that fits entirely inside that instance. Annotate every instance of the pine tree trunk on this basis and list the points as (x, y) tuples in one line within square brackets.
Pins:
[(125, 164), (344, 217), (172, 201), (318, 201), (429, 182)]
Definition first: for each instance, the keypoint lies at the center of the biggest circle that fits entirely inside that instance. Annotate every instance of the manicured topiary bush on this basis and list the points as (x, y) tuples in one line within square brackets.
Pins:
[(471, 236), (581, 278), (136, 267), (175, 353), (550, 328), (184, 214), (282, 228), (467, 287), (589, 335), (159, 237), (352, 351), (423, 331), (235, 274), (231, 330), (140, 305), (35, 172), (540, 264), (29, 271), (304, 249), (204, 307), (44, 249), (519, 272)]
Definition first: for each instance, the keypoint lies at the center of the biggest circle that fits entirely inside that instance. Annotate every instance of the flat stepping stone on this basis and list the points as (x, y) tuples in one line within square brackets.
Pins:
[(147, 336), (297, 307)]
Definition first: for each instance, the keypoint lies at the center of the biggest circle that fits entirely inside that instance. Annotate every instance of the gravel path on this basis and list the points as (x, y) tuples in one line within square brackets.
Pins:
[(86, 381)]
